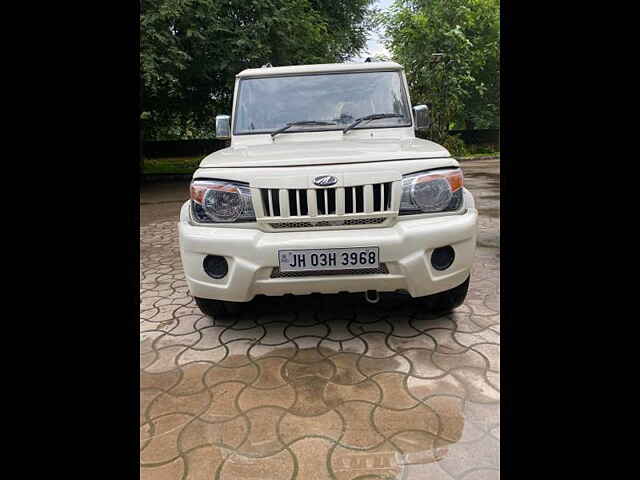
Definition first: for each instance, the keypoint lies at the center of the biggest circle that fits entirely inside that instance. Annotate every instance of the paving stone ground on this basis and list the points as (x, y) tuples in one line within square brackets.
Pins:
[(318, 388)]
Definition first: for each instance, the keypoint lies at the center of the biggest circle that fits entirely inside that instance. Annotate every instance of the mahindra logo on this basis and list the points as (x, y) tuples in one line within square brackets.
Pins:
[(325, 180)]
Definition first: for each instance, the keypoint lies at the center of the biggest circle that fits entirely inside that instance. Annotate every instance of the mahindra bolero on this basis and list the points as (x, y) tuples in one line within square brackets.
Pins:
[(326, 189)]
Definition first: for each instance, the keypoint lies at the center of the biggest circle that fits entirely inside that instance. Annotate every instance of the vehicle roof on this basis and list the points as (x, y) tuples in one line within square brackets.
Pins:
[(319, 68)]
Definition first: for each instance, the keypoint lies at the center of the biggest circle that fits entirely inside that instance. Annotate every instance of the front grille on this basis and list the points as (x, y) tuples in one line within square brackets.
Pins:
[(326, 223), (382, 269), (326, 201)]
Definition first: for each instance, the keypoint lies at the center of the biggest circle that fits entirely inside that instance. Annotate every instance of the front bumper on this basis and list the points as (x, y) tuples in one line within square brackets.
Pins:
[(405, 249)]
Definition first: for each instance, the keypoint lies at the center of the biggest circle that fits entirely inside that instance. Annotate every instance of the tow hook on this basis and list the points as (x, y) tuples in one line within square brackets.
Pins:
[(372, 296)]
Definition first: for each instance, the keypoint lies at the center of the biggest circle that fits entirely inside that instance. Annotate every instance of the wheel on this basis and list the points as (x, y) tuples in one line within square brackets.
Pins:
[(215, 308), (448, 300)]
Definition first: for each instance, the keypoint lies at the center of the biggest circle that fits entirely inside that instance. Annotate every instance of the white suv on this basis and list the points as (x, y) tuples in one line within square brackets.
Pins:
[(325, 188)]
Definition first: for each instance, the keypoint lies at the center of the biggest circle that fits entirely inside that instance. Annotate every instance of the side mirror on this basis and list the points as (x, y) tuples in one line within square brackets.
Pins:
[(421, 117), (223, 127)]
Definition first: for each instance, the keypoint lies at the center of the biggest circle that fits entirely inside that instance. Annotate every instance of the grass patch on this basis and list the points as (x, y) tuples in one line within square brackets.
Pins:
[(476, 155), (171, 165)]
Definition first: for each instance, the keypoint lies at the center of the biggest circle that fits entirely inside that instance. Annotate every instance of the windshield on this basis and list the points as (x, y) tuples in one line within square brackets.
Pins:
[(269, 103)]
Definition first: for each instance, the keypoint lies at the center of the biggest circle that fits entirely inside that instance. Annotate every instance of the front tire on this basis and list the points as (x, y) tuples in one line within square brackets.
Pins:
[(448, 300), (216, 308)]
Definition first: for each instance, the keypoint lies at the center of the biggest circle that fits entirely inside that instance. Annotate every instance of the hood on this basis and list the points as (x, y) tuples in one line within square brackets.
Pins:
[(323, 152)]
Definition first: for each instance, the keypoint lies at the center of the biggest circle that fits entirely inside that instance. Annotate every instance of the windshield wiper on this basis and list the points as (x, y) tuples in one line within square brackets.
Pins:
[(307, 122), (373, 116)]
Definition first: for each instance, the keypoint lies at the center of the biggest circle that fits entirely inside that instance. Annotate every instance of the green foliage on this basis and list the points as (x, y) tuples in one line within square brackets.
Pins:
[(191, 50), (455, 145), (462, 87), (174, 165)]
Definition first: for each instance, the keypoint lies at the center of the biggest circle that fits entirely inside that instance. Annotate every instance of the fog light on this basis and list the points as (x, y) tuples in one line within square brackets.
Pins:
[(443, 257), (215, 266)]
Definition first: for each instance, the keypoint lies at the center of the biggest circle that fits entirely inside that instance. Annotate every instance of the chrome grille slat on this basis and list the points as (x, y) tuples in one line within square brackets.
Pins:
[(368, 198), (284, 203), (340, 201), (270, 195), (353, 201)]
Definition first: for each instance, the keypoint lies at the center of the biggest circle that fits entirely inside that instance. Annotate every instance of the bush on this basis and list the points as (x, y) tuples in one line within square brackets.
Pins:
[(455, 145)]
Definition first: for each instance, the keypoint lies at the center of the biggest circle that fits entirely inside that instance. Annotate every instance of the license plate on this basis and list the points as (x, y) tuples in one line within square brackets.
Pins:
[(328, 259)]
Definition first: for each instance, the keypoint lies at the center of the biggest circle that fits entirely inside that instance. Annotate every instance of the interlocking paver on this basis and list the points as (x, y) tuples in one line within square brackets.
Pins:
[(321, 388)]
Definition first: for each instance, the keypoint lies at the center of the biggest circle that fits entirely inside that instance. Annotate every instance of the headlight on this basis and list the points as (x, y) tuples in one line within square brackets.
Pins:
[(214, 201), (436, 191)]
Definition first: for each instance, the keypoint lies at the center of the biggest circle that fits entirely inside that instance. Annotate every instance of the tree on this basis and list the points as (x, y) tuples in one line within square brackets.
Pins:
[(191, 50), (463, 85)]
